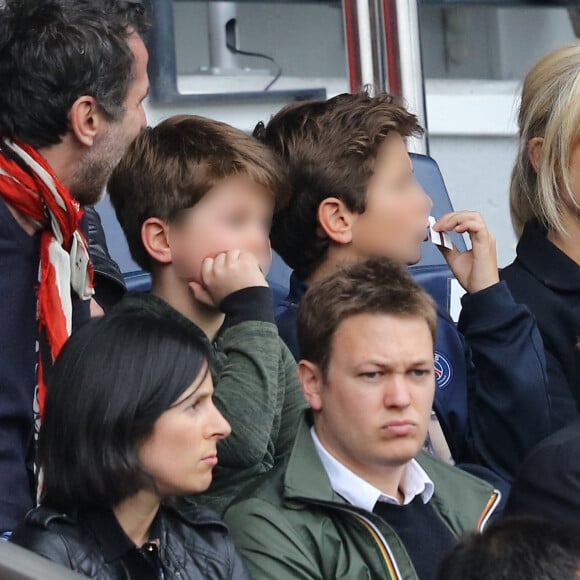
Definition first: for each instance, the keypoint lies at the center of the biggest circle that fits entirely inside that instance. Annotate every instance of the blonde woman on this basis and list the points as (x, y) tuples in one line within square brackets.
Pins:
[(545, 212)]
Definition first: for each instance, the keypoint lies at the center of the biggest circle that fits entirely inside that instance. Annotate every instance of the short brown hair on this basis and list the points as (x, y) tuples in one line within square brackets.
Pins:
[(329, 149), (170, 168), (376, 286)]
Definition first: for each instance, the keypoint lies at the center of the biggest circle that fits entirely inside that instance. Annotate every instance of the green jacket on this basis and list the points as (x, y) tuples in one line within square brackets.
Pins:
[(256, 388), (291, 525)]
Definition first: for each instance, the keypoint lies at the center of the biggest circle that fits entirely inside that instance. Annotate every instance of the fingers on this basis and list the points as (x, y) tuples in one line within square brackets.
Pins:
[(469, 222), (231, 271), (475, 269), (201, 294), (460, 222), (206, 269)]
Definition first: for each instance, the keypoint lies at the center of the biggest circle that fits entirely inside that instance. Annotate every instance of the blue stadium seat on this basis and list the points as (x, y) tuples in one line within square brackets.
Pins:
[(432, 272), (137, 281)]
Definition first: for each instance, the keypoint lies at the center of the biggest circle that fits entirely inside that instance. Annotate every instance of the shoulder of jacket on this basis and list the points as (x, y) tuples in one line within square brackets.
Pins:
[(466, 499), (44, 517), (192, 514), (198, 538), (451, 475)]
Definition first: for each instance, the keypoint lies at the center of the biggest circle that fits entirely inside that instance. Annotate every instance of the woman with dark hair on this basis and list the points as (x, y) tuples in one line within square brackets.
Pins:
[(129, 422)]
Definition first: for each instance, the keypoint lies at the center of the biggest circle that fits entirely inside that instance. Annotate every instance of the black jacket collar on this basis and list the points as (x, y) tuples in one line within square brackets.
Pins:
[(545, 261)]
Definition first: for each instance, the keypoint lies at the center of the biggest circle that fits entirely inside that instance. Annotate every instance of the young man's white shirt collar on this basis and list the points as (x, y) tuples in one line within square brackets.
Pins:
[(361, 493)]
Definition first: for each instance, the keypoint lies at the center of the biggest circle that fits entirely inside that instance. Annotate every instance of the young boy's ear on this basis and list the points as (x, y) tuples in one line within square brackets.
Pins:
[(336, 220), (154, 235)]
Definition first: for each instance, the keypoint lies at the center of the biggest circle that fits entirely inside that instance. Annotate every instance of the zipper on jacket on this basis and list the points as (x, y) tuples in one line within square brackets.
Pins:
[(388, 557), (488, 510), (377, 536)]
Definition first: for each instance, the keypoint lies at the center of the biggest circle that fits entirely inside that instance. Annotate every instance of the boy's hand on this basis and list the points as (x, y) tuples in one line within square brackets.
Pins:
[(227, 273), (475, 269)]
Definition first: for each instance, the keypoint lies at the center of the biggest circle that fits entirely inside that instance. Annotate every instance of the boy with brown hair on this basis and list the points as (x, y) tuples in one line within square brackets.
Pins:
[(195, 198), (354, 196)]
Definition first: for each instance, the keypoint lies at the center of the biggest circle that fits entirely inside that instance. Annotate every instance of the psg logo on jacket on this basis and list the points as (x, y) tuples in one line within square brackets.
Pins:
[(443, 371)]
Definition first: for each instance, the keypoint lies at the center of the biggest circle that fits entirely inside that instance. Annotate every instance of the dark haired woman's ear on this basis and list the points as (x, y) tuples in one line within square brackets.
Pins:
[(259, 131)]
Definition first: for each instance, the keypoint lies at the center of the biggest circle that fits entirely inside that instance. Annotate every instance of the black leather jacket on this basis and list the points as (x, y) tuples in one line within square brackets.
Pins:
[(184, 547), (109, 283)]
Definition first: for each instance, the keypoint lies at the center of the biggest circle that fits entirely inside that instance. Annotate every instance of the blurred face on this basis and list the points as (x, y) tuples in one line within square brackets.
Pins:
[(111, 143), (236, 214), (181, 452), (397, 209), (373, 410)]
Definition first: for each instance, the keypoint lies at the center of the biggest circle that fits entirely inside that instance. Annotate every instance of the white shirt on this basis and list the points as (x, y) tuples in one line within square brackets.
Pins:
[(361, 493)]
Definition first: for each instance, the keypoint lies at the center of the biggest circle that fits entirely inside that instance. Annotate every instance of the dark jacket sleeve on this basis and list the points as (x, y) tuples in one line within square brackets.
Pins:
[(507, 384), (548, 483), (18, 359)]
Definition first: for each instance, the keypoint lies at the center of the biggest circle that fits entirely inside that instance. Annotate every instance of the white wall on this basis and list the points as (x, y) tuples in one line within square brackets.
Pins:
[(471, 122)]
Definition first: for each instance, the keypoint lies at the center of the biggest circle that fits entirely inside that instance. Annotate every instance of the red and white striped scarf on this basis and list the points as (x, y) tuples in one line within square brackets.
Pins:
[(28, 184)]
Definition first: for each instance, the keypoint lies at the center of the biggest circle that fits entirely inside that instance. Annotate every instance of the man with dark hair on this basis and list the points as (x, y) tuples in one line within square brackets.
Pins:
[(73, 75), (515, 548), (356, 497), (354, 196)]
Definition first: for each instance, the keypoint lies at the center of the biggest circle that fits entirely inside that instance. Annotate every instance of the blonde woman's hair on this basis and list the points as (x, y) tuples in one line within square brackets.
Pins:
[(550, 109)]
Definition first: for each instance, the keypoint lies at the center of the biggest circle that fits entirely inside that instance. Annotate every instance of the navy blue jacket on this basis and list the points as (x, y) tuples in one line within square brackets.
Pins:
[(547, 281), (548, 483), (19, 258), (491, 397)]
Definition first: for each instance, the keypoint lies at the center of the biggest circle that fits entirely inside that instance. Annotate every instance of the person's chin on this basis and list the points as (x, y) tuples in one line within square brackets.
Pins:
[(89, 197), (414, 257), (407, 448)]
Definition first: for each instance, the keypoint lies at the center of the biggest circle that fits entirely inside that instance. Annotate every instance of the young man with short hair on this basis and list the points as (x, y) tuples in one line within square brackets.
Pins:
[(357, 498), (354, 196), (195, 199), (74, 76)]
